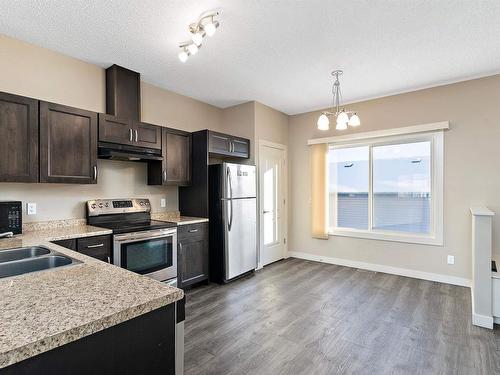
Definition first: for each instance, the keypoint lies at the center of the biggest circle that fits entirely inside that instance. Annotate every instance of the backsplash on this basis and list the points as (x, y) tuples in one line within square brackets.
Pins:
[(117, 179)]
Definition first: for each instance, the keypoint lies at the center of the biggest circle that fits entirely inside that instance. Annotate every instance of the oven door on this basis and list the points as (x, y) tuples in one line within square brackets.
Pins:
[(151, 253)]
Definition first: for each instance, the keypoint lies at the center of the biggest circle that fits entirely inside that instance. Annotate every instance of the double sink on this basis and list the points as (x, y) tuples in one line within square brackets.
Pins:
[(31, 259)]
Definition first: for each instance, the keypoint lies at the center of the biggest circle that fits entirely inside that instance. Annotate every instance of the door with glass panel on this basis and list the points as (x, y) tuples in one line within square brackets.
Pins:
[(272, 203)]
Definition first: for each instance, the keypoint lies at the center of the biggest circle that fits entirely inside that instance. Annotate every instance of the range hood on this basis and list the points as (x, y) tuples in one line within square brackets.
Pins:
[(113, 151), (123, 100)]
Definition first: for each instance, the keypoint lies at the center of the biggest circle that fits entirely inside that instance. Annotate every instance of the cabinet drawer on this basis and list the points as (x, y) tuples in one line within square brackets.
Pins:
[(68, 244), (192, 231), (98, 247)]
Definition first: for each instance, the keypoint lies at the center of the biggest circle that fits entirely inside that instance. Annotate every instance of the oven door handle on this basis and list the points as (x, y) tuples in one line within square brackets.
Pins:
[(143, 237)]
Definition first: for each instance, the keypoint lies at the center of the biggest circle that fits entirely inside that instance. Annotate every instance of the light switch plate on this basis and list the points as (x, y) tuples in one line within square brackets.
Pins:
[(163, 202), (31, 208), (451, 259)]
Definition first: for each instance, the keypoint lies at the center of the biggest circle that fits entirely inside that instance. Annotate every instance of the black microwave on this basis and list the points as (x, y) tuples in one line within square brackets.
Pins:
[(11, 217)]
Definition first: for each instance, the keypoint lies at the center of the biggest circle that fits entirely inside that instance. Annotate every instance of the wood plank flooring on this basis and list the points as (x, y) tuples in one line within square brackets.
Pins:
[(302, 317)]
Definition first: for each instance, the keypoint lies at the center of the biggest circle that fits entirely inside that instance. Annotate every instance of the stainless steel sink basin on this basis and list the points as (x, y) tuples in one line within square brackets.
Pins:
[(22, 253), (37, 263)]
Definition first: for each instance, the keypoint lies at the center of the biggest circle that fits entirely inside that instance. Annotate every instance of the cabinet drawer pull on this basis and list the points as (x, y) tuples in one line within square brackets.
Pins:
[(130, 134), (193, 230), (94, 246)]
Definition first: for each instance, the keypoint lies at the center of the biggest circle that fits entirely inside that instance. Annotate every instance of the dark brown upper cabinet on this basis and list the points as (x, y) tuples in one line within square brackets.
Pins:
[(115, 130), (175, 169), (123, 93), (68, 144), (127, 132), (147, 135), (18, 138), (228, 145)]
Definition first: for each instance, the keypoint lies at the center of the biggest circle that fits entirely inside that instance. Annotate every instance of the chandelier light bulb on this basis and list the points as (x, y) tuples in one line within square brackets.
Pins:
[(341, 125), (193, 49), (342, 117), (354, 120), (197, 38), (210, 28), (183, 56), (323, 122)]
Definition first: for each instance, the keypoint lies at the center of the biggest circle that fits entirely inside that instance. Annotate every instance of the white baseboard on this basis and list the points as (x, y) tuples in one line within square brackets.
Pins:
[(478, 319), (482, 321), (453, 280)]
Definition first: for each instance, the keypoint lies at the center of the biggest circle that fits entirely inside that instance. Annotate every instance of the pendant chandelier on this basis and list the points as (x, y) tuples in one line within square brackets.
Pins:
[(344, 118)]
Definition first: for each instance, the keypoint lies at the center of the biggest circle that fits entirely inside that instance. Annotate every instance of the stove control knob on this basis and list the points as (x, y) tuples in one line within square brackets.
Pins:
[(100, 205), (93, 206), (141, 203), (147, 203), (106, 205)]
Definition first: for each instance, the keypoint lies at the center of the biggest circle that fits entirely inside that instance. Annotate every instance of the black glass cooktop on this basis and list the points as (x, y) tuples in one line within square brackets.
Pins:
[(135, 226)]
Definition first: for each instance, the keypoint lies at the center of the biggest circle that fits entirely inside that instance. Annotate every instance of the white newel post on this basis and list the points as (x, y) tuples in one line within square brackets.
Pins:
[(482, 314)]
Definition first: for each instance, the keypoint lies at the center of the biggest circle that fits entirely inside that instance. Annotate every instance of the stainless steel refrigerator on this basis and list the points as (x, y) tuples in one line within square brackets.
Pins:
[(233, 221)]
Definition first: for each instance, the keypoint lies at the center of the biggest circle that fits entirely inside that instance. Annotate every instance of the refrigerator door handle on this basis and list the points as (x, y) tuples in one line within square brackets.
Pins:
[(229, 181)]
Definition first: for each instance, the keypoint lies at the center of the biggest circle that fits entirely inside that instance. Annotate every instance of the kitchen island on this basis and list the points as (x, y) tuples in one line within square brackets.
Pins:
[(90, 317)]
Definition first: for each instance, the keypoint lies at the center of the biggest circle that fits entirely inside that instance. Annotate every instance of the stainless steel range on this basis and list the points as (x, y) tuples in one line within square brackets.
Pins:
[(142, 245)]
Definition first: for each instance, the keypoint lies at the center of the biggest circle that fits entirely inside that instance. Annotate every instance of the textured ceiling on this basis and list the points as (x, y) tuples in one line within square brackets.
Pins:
[(277, 52)]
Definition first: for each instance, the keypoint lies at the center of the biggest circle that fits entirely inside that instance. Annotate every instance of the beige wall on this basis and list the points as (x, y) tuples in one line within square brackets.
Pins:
[(471, 173), (240, 120), (36, 72), (270, 125)]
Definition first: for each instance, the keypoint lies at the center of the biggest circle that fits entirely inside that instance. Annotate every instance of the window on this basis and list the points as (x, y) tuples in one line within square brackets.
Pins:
[(387, 188)]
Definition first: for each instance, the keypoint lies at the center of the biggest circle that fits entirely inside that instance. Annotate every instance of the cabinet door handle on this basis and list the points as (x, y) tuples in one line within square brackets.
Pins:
[(193, 230), (180, 247), (109, 260), (136, 137), (94, 246), (164, 176), (130, 134), (95, 172)]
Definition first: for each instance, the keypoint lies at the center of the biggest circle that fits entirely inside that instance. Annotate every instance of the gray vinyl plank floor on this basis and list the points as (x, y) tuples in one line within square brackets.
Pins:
[(303, 317)]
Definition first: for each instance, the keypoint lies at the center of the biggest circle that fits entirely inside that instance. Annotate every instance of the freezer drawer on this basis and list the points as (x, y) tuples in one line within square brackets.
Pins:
[(240, 227)]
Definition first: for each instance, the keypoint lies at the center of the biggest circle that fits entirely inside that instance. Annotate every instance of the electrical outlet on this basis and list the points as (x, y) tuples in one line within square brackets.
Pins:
[(451, 259), (163, 202), (31, 208)]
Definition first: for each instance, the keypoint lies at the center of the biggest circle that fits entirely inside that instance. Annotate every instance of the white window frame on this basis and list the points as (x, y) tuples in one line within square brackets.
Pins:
[(435, 237)]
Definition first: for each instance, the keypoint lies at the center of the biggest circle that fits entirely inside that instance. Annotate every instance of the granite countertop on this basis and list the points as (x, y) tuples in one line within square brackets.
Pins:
[(183, 220), (44, 310), (179, 220)]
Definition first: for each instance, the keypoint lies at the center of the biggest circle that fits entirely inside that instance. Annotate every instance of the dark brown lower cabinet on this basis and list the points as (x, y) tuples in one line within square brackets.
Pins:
[(98, 247), (68, 144), (18, 138), (192, 254), (142, 345)]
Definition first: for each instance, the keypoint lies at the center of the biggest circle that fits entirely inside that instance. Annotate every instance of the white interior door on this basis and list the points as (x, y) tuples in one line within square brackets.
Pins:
[(272, 203)]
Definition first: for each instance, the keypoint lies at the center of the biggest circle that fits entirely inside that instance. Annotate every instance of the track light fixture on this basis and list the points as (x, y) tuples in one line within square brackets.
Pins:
[(205, 26), (343, 118)]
